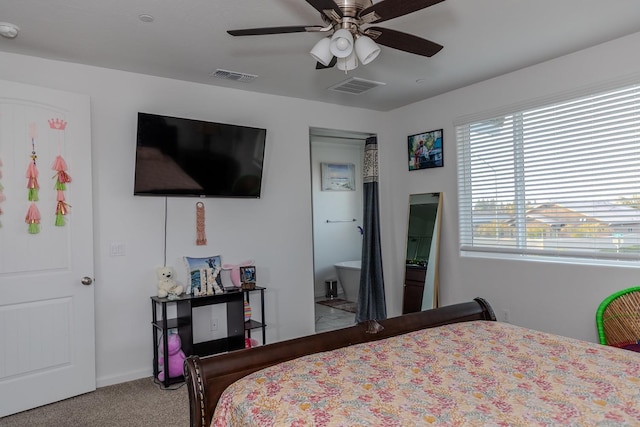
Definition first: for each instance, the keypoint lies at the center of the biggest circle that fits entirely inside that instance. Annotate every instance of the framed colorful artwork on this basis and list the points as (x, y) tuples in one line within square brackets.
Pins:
[(425, 150)]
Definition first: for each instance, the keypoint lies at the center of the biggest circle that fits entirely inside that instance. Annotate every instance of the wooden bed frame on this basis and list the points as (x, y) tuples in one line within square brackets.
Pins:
[(209, 376)]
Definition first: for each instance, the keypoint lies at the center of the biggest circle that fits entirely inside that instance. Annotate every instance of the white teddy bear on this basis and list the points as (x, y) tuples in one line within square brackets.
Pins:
[(166, 285)]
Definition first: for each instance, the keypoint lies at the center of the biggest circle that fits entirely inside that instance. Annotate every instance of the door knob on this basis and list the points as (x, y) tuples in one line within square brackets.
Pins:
[(86, 281)]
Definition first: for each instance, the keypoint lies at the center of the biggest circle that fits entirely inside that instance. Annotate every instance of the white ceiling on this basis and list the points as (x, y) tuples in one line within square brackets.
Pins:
[(188, 41)]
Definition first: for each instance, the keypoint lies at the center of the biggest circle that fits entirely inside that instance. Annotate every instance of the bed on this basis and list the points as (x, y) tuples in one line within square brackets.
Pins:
[(450, 366)]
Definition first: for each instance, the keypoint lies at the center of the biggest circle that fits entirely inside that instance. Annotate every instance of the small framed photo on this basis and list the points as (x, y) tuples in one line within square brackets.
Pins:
[(338, 177), (248, 276), (425, 150)]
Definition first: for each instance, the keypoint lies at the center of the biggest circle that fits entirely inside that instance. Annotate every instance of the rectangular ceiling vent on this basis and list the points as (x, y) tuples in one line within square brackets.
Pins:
[(355, 86), (232, 75)]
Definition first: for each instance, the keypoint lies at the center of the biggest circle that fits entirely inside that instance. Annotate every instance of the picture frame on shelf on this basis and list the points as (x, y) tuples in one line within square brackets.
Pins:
[(248, 276), (338, 177), (425, 150)]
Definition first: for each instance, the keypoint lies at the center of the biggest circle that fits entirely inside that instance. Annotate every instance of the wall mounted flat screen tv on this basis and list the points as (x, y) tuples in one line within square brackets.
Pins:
[(185, 157)]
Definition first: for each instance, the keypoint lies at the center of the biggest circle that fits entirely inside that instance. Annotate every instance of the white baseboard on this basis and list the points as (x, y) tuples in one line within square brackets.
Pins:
[(122, 378)]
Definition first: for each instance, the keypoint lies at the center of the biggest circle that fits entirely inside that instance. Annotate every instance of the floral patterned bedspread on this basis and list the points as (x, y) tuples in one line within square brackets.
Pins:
[(466, 374)]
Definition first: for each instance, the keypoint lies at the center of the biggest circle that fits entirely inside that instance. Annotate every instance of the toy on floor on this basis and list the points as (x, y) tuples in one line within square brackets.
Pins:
[(250, 342), (176, 357)]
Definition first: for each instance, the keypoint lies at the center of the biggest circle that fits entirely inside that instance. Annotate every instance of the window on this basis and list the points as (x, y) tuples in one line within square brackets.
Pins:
[(555, 180)]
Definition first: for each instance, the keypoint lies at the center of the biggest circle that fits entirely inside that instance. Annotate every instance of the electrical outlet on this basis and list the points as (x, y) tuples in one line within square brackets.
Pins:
[(505, 316), (214, 324)]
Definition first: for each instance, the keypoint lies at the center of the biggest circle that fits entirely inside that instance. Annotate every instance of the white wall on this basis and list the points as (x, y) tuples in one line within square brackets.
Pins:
[(553, 297), (275, 231), (338, 241), (559, 298)]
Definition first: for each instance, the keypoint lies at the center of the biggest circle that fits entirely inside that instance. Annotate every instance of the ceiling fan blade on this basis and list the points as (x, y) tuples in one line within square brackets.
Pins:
[(320, 66), (389, 9), (275, 30), (403, 41), (322, 5)]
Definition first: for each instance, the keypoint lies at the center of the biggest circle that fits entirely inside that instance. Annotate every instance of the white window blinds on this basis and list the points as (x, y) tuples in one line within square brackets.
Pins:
[(559, 180)]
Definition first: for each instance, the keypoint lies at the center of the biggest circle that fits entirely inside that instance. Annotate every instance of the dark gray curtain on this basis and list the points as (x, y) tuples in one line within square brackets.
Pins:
[(371, 299)]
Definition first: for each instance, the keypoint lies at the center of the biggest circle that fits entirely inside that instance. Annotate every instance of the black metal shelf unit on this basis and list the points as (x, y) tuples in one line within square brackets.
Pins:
[(182, 323), (251, 324)]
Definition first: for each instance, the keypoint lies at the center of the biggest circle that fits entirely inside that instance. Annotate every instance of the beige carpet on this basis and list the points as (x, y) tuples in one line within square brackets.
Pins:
[(135, 403)]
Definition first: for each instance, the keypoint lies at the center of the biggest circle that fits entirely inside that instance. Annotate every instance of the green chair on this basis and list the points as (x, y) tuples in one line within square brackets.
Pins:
[(618, 319)]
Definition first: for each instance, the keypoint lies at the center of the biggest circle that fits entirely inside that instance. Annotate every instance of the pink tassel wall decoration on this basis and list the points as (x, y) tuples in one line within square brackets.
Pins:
[(33, 219), (33, 214), (32, 170), (62, 208), (32, 181), (62, 179)]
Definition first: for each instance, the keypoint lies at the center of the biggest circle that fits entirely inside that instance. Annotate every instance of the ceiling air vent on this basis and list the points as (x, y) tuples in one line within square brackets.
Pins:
[(232, 75), (355, 86)]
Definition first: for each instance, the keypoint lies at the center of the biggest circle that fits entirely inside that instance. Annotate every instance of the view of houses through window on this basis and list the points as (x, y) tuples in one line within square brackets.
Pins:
[(611, 227), (560, 179)]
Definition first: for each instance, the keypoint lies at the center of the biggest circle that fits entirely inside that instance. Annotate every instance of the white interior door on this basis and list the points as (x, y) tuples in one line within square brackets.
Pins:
[(47, 343)]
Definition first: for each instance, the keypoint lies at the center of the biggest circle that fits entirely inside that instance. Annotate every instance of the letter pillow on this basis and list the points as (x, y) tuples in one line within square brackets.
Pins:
[(194, 266)]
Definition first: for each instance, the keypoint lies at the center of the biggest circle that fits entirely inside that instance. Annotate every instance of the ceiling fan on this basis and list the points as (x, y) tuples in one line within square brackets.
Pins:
[(348, 39)]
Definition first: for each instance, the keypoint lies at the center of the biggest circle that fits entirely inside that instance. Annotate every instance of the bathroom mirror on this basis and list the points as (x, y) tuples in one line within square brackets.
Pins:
[(421, 281)]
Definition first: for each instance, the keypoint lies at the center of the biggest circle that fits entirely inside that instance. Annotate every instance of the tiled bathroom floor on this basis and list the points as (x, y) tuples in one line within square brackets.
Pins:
[(328, 319)]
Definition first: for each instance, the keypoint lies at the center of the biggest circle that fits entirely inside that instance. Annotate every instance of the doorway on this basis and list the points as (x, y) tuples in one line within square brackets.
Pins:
[(337, 220)]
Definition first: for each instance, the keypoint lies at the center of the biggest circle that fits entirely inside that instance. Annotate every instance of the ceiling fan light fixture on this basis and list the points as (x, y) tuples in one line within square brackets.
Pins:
[(321, 52), (366, 49), (349, 63), (341, 45), (344, 22)]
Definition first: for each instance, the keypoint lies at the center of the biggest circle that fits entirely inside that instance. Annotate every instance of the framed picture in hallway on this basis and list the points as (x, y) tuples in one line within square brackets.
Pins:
[(425, 150), (338, 177)]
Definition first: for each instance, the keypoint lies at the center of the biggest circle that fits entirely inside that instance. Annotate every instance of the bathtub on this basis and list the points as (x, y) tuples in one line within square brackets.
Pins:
[(349, 277)]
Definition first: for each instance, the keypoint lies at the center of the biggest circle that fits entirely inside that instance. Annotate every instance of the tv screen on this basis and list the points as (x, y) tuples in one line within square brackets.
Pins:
[(185, 157)]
